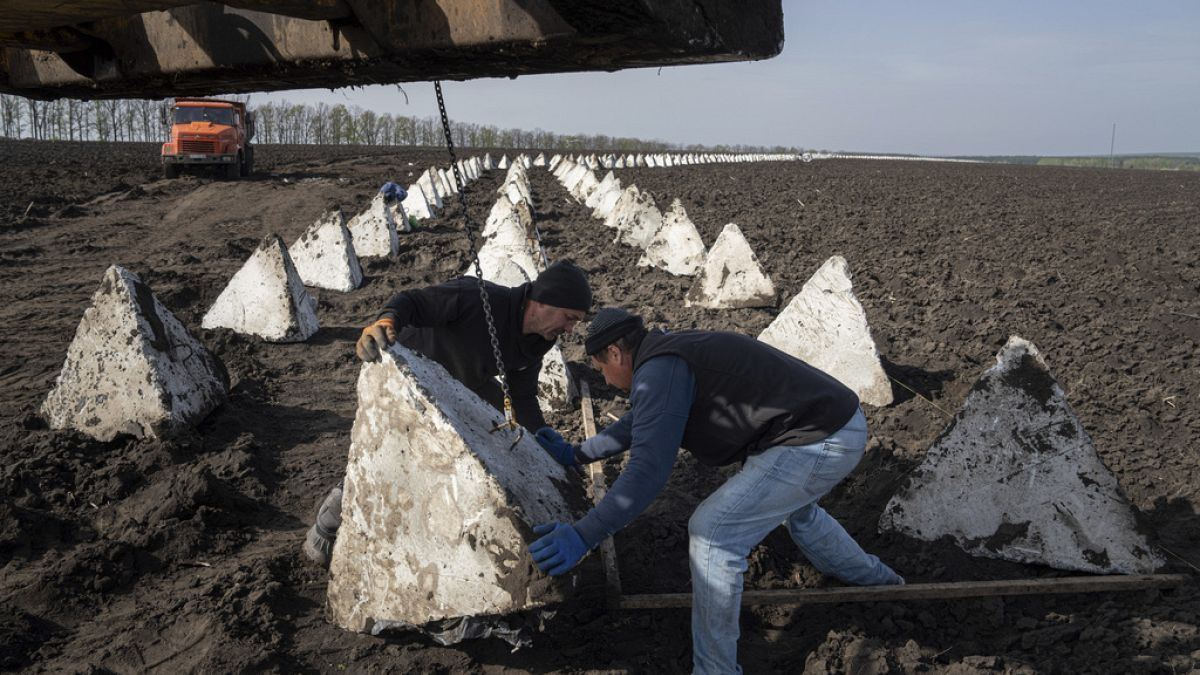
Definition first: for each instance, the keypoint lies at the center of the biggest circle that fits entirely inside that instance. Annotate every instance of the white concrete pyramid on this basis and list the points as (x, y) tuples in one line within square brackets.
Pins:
[(825, 326), (585, 186), (446, 183), (437, 512), (374, 230), (266, 298), (432, 195), (731, 276), (601, 190), (324, 255), (1015, 477), (608, 201), (554, 162), (415, 205), (540, 160), (637, 218), (503, 163), (676, 247), (133, 368), (488, 165)]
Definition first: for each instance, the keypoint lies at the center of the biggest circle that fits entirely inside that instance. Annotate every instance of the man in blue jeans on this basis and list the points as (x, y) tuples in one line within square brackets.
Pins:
[(725, 398)]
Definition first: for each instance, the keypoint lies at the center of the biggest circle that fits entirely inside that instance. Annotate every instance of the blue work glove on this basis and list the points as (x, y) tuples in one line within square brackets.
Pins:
[(558, 550), (558, 447), (394, 192)]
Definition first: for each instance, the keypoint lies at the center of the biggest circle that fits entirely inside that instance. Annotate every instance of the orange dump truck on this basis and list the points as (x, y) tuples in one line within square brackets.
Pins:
[(209, 132)]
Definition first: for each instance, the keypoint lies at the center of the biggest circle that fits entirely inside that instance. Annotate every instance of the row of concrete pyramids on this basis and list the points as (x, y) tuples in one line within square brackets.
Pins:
[(163, 379), (266, 297), (166, 378), (826, 326)]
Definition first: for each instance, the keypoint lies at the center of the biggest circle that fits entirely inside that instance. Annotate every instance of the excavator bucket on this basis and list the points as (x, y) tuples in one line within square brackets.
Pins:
[(92, 49)]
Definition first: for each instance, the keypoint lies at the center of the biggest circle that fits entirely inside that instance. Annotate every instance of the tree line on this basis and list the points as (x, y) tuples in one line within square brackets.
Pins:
[(122, 120)]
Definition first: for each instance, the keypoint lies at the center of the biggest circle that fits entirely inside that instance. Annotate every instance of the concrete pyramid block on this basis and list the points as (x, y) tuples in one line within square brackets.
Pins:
[(503, 163), (446, 183), (133, 368), (554, 162), (825, 326), (507, 221), (636, 219), (488, 165), (415, 205), (620, 163), (437, 511), (324, 255), (374, 230), (555, 387), (610, 181), (677, 246), (266, 298), (1015, 477), (540, 160), (731, 276), (432, 195), (585, 186), (608, 202)]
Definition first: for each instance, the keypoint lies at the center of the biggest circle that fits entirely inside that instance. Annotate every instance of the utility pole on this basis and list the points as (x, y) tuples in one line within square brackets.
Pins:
[(1112, 146)]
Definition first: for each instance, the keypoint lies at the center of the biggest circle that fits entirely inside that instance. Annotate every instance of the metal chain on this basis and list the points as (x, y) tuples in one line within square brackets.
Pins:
[(469, 227)]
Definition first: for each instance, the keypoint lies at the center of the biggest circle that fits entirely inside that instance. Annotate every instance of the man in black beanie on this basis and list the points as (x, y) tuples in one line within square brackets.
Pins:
[(725, 398), (446, 323)]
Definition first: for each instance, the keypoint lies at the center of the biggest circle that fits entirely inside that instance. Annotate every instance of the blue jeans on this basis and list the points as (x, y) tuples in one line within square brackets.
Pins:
[(779, 485)]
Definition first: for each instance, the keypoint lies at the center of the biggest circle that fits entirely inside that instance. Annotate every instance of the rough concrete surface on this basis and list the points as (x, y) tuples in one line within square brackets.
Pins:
[(1015, 476), (676, 247), (437, 510), (266, 298), (825, 325), (133, 368), (324, 255), (374, 230), (731, 276)]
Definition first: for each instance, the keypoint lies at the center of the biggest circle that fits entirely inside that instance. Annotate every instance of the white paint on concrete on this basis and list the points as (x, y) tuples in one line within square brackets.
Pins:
[(437, 512), (676, 247), (826, 326), (266, 298), (415, 204), (731, 276), (374, 230), (636, 218), (1016, 477), (324, 255), (133, 368)]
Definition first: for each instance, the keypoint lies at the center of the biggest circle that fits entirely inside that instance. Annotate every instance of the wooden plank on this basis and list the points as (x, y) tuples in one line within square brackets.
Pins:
[(608, 552), (936, 591)]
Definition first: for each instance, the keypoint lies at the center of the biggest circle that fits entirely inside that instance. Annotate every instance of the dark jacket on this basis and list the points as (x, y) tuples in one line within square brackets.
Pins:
[(749, 395), (447, 324)]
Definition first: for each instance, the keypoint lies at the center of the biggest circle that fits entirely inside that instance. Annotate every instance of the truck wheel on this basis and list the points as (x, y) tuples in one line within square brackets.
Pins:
[(170, 171), (248, 165), (233, 171)]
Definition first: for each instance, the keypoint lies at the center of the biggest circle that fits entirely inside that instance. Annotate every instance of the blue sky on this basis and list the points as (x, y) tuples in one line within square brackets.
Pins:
[(927, 77)]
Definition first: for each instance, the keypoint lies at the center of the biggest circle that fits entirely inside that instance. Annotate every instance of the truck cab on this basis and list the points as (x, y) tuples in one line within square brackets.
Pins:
[(209, 132)]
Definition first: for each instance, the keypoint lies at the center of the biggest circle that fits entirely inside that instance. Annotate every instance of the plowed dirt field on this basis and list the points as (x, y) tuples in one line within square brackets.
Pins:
[(141, 556)]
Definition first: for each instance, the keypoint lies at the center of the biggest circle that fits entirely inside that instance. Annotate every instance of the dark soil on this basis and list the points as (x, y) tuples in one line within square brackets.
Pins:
[(185, 556)]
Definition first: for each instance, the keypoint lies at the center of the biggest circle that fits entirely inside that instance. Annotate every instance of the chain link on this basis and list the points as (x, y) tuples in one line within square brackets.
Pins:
[(469, 227)]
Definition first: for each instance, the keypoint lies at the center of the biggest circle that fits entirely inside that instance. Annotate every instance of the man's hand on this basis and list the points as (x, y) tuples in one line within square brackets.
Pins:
[(558, 550), (374, 339), (558, 447)]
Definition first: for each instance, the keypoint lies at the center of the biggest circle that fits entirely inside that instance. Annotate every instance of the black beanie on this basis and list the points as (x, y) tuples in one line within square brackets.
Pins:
[(610, 325), (562, 285)]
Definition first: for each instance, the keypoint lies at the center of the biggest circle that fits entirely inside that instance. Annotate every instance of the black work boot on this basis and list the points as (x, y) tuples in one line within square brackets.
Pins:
[(318, 543)]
